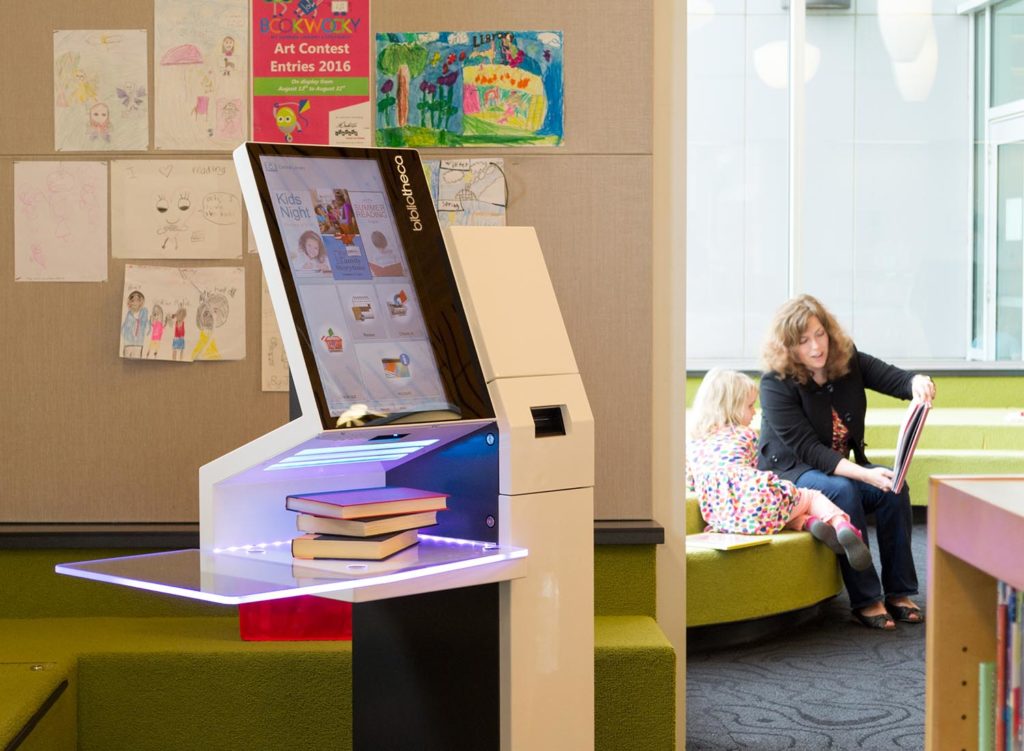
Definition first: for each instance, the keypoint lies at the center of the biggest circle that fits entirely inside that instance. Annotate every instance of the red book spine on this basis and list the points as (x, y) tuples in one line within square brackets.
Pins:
[(1001, 667)]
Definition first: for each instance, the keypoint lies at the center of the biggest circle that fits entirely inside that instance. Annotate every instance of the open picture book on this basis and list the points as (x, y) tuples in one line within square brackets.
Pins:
[(906, 441), (724, 541)]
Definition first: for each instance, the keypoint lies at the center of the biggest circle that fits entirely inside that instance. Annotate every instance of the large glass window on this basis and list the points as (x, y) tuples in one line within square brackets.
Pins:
[(1007, 52), (884, 215)]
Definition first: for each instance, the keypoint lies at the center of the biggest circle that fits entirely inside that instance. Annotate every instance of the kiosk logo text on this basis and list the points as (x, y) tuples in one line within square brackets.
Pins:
[(410, 199)]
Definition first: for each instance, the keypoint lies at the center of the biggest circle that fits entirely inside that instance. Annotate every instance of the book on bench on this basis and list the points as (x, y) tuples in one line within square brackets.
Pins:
[(725, 541), (906, 441)]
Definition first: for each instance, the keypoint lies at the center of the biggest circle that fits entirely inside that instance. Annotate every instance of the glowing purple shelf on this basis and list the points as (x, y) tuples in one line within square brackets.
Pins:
[(268, 573)]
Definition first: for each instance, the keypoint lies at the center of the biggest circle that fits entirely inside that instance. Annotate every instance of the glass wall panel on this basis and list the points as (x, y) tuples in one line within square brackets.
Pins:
[(978, 259), (1009, 250), (1007, 52)]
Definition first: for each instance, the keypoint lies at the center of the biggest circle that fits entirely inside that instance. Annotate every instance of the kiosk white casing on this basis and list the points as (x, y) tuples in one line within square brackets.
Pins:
[(544, 488)]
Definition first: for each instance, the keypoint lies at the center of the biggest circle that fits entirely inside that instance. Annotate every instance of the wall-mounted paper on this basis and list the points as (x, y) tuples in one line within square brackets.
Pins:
[(469, 88), (187, 208), (183, 314), (274, 362), (468, 191), (201, 52), (60, 221), (99, 90), (311, 72)]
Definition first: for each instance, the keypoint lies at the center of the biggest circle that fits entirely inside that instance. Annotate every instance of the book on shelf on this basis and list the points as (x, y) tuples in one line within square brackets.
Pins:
[(367, 502), (986, 706), (725, 540), (372, 525), (906, 441), (373, 548), (1002, 605)]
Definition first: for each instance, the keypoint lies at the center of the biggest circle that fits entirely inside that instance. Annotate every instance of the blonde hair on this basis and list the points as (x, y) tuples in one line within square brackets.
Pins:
[(779, 354), (719, 402)]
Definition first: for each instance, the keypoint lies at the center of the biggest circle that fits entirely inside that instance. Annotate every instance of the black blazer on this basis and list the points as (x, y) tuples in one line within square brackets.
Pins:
[(796, 421)]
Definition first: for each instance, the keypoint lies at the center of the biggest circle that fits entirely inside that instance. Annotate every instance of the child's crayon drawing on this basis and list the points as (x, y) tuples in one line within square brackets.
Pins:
[(202, 55), (60, 221), (185, 208), (99, 90), (469, 88), (183, 314)]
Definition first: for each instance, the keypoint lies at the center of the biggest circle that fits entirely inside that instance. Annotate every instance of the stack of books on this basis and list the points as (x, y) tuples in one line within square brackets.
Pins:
[(1000, 705), (367, 524)]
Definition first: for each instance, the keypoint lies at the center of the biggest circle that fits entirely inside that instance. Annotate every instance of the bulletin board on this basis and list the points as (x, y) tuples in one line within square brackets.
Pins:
[(89, 437)]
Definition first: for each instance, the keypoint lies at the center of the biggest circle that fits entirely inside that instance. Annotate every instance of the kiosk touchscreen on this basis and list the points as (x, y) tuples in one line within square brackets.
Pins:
[(369, 287)]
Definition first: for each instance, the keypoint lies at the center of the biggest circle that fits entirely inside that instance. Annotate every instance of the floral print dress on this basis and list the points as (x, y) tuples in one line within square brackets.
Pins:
[(734, 495)]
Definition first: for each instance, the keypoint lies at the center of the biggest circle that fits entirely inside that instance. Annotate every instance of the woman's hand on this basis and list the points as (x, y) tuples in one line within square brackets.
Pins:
[(879, 477), (923, 388)]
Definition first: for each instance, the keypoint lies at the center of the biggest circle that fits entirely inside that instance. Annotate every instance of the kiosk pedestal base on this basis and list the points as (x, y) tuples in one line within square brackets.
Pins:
[(425, 671)]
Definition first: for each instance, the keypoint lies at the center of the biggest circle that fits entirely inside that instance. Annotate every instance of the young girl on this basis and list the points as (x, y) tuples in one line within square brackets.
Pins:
[(178, 340), (721, 458), (157, 322)]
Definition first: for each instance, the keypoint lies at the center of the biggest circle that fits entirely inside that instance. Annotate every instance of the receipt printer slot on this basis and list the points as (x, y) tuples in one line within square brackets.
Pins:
[(547, 421)]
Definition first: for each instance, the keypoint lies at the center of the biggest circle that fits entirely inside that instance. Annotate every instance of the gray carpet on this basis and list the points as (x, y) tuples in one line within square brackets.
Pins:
[(831, 684)]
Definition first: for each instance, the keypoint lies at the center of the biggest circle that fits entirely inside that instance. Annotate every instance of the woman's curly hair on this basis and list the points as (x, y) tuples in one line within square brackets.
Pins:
[(779, 353)]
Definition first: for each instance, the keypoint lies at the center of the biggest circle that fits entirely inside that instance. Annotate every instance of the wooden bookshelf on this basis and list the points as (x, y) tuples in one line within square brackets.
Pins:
[(975, 538)]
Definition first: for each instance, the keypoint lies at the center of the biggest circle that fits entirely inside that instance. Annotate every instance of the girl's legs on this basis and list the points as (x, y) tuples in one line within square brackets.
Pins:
[(831, 526), (864, 587)]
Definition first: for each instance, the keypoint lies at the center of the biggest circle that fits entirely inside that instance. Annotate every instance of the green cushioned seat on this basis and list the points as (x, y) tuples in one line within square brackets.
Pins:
[(792, 572), (634, 685), (182, 683), (33, 695)]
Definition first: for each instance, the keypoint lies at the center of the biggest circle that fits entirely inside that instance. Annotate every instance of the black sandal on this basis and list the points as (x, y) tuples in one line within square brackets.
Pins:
[(882, 621), (905, 613)]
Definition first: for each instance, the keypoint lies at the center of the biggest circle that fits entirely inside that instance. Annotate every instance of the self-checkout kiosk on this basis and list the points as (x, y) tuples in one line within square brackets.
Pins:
[(422, 360)]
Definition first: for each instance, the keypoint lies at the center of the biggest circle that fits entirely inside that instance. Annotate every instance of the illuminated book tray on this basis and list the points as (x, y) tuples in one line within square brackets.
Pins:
[(254, 574)]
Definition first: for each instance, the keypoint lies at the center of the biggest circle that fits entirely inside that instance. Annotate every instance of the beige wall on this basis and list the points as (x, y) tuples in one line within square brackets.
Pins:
[(89, 437)]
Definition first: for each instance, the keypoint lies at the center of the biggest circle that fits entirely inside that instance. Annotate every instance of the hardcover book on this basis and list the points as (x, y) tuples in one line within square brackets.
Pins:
[(906, 442), (367, 502), (374, 525), (361, 548)]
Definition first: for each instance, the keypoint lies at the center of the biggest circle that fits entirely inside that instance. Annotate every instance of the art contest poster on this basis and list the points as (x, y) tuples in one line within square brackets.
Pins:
[(311, 72)]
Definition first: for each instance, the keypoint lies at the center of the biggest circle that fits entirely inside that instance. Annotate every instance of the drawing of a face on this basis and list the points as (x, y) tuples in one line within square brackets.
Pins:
[(99, 115), (175, 212), (135, 301), (228, 46), (287, 121)]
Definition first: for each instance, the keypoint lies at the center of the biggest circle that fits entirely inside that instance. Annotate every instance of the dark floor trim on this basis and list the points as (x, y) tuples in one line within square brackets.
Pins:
[(37, 717), (724, 635), (49, 536), (628, 532)]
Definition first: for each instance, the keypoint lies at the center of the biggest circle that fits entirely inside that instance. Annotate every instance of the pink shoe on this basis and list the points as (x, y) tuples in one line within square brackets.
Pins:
[(823, 532), (852, 541)]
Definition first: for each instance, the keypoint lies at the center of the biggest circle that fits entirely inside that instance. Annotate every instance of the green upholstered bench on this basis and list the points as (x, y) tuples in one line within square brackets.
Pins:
[(35, 712), (791, 573), (148, 671), (634, 663)]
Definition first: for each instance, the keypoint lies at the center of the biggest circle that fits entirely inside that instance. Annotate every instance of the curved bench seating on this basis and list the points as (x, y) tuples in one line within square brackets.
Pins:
[(790, 573)]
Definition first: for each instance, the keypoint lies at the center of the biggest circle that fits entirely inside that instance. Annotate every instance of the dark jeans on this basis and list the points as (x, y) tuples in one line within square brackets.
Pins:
[(894, 522)]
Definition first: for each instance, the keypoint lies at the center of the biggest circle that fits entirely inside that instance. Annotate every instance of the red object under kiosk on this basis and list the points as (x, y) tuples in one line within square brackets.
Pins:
[(301, 618)]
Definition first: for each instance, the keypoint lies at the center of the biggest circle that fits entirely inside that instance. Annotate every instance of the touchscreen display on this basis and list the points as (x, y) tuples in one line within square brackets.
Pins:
[(351, 273)]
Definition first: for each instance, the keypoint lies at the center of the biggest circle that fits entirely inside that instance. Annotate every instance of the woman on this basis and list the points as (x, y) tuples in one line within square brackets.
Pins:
[(813, 404)]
